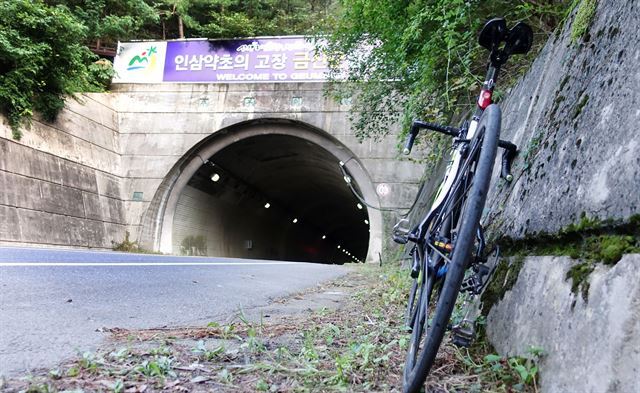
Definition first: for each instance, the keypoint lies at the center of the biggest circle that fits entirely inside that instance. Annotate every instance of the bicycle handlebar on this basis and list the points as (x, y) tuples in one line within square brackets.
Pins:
[(419, 124), (510, 152)]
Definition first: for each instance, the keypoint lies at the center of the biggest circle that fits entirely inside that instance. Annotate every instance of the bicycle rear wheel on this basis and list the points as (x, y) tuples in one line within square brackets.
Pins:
[(416, 289), (460, 217)]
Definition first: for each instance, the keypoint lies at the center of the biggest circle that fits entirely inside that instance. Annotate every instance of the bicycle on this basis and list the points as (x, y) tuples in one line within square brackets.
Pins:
[(448, 253)]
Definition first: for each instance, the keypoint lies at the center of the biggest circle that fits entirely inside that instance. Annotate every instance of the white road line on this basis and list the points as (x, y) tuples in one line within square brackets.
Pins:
[(55, 264), (99, 252)]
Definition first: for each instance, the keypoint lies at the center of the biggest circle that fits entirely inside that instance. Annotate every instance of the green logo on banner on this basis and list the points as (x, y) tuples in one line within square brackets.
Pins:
[(144, 59)]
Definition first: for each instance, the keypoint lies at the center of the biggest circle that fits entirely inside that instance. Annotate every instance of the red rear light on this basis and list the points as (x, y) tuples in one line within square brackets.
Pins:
[(485, 99)]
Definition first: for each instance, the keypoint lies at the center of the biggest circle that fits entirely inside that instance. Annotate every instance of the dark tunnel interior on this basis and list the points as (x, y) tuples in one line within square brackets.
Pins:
[(272, 197)]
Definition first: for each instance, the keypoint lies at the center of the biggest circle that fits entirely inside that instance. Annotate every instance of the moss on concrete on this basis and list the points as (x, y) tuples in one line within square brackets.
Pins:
[(504, 278), (579, 275), (583, 102), (590, 240), (584, 16)]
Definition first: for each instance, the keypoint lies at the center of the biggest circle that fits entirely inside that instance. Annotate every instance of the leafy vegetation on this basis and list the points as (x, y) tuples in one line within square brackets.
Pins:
[(42, 59), (111, 20), (412, 59)]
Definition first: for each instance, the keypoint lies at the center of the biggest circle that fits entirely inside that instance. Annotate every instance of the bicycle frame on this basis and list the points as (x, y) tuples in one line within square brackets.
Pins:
[(451, 172)]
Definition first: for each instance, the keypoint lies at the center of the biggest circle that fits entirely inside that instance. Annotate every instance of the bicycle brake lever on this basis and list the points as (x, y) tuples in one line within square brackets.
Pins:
[(413, 132)]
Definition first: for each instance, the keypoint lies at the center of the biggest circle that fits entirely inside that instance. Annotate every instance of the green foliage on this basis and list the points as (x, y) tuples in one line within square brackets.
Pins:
[(516, 371), (201, 350), (111, 20), (420, 59), (42, 59), (235, 18), (159, 367)]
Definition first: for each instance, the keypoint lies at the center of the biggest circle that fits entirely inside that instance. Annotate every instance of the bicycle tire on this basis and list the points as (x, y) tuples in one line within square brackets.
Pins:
[(414, 292), (467, 225)]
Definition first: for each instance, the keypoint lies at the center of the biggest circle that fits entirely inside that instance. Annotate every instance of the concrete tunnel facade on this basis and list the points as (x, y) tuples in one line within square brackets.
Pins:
[(133, 163), (212, 202)]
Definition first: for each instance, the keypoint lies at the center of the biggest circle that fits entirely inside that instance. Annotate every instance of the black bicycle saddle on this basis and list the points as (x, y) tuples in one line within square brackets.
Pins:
[(519, 39), (493, 33)]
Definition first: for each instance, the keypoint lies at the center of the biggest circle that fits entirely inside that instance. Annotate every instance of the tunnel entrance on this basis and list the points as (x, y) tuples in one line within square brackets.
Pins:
[(271, 197)]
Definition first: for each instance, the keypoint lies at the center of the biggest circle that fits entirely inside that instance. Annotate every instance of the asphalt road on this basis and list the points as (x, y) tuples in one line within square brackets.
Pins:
[(53, 302)]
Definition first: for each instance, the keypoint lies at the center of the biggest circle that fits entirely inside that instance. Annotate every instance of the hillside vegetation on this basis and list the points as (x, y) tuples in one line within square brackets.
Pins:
[(424, 58)]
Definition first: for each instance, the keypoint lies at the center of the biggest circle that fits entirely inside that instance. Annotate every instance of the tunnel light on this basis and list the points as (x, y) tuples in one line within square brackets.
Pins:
[(215, 177), (359, 206), (366, 222), (338, 247), (324, 237), (267, 205), (295, 220)]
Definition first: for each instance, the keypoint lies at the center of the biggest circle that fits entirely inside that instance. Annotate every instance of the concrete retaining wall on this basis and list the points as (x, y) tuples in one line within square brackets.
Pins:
[(591, 346), (574, 117), (59, 182)]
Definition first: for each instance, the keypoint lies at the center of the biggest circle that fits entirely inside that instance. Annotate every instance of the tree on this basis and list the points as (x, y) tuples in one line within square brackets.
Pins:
[(235, 18), (110, 20), (42, 59)]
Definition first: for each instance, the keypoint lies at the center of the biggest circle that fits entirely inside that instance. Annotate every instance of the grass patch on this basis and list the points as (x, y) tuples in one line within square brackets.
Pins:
[(129, 246)]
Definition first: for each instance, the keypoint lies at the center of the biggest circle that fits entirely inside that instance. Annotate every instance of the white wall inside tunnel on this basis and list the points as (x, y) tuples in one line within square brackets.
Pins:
[(202, 218), (236, 226)]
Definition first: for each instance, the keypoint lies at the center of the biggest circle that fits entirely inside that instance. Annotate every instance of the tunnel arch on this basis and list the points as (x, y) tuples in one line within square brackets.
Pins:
[(157, 223)]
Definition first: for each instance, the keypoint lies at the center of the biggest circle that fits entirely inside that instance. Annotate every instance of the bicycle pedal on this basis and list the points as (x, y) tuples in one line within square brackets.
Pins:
[(400, 232), (462, 342), (401, 239), (463, 335)]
